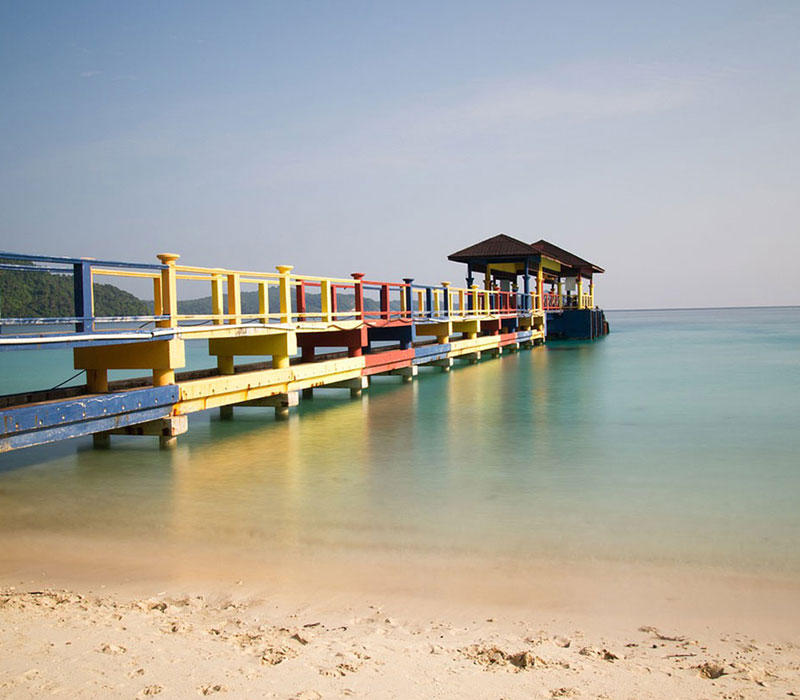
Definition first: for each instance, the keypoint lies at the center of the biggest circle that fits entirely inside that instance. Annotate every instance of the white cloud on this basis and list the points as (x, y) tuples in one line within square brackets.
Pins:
[(91, 73)]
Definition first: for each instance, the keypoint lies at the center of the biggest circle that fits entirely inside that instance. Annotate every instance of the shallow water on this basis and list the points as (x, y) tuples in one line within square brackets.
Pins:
[(673, 440)]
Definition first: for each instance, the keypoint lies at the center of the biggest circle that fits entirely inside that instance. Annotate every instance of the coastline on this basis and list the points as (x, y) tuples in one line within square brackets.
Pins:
[(386, 625)]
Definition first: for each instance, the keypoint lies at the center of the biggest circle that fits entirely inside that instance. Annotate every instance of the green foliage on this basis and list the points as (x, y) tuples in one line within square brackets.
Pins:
[(26, 294)]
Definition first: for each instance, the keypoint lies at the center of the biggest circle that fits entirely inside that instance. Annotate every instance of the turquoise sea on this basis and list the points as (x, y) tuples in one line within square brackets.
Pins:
[(676, 439)]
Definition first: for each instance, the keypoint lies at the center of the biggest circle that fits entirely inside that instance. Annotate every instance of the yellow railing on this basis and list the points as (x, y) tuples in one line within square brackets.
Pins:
[(226, 287)]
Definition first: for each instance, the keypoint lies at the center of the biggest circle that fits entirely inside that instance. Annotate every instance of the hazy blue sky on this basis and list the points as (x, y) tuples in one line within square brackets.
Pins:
[(660, 140)]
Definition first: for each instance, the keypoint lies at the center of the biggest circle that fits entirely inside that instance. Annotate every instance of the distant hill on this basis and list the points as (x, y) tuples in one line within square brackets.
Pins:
[(42, 294)]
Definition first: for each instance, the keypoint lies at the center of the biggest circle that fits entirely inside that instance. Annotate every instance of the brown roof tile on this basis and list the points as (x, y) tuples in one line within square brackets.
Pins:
[(500, 245)]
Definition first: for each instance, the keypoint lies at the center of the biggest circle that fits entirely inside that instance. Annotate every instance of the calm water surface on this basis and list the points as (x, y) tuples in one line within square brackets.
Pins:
[(674, 440)]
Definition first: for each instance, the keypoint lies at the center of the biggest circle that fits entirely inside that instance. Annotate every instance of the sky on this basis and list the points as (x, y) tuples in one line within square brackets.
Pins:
[(660, 141)]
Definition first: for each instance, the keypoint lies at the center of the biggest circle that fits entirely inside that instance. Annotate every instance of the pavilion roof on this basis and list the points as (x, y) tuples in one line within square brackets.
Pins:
[(564, 256), (506, 248), (499, 246)]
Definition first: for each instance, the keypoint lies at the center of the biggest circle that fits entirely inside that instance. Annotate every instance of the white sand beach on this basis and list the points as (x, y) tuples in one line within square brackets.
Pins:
[(93, 624)]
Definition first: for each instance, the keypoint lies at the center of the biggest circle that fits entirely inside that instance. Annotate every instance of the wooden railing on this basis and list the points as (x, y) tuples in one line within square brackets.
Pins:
[(283, 298)]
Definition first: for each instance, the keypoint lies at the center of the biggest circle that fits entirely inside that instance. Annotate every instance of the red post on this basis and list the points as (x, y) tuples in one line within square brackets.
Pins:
[(385, 301), (359, 293), (301, 299)]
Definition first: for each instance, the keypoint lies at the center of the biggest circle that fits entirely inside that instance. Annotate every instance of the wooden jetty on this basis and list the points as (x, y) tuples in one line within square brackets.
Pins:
[(374, 328)]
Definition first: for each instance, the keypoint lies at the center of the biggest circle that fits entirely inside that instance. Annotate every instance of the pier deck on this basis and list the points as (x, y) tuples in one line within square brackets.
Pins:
[(381, 328)]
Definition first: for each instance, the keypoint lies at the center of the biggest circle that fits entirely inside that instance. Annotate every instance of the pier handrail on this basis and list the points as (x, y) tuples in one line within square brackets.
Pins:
[(82, 271), (282, 296)]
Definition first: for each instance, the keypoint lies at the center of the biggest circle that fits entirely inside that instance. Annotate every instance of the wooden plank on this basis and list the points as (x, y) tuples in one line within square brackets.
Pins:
[(386, 357), (435, 349), (200, 394), (50, 414), (71, 430)]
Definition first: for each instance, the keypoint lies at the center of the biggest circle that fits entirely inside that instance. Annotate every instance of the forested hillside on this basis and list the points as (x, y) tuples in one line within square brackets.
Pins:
[(26, 294)]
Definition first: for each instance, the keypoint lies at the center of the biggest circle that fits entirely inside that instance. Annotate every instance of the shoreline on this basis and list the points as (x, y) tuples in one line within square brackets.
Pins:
[(179, 625), (715, 594)]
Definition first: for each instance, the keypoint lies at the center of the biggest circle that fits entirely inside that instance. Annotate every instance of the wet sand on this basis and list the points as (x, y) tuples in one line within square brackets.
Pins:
[(102, 619)]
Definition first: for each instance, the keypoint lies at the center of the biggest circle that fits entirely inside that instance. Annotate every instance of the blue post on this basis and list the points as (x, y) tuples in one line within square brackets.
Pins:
[(409, 296), (82, 284), (429, 301)]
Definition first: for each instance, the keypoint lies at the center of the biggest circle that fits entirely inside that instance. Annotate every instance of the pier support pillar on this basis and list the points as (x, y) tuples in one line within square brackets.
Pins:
[(97, 381), (283, 402), (280, 362), (407, 373), (167, 442), (308, 393), (163, 377), (225, 366), (101, 441), (446, 364), (280, 402), (226, 412)]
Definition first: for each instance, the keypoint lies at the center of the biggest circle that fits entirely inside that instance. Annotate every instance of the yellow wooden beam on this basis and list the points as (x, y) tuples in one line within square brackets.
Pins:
[(472, 326), (439, 329), (157, 354), (200, 394), (273, 344)]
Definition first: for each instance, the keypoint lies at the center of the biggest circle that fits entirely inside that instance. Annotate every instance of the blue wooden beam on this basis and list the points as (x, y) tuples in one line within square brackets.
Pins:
[(39, 423)]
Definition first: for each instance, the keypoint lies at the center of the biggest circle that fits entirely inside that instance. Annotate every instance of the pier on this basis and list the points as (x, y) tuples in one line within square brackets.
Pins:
[(319, 333)]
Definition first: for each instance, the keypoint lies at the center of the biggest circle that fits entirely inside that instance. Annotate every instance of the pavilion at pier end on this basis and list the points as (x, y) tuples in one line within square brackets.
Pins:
[(559, 283)]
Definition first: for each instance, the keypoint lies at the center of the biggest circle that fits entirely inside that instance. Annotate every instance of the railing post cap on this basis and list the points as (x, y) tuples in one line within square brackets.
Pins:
[(284, 269), (357, 275), (168, 258), (408, 280), (445, 283)]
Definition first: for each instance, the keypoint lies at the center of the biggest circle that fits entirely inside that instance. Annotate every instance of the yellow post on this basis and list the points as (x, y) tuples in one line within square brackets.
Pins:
[(487, 281), (486, 305), (436, 305), (157, 306), (285, 288), (263, 302), (216, 300), (169, 290), (234, 299), (591, 292), (97, 381), (421, 302), (475, 309), (462, 309), (540, 287), (580, 291), (163, 377), (225, 366), (325, 300), (560, 292)]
